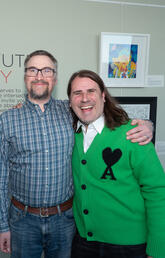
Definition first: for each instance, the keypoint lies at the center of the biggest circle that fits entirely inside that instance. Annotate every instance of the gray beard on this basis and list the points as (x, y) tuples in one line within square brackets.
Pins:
[(45, 95)]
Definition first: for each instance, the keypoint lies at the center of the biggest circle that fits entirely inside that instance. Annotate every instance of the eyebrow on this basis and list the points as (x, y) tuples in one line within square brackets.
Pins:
[(90, 89)]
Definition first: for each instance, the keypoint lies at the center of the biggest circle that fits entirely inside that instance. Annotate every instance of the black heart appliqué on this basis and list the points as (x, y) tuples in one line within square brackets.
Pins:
[(110, 158)]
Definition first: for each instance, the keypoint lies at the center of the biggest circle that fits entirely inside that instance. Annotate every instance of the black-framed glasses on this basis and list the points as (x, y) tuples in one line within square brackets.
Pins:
[(33, 71)]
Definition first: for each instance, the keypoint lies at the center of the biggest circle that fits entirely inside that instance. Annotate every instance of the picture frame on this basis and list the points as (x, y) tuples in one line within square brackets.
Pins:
[(124, 59), (141, 108)]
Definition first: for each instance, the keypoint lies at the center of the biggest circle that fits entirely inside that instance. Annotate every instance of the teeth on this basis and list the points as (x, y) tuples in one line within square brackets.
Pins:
[(86, 107)]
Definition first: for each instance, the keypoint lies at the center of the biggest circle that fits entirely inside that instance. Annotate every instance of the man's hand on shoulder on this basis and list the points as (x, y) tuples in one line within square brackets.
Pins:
[(143, 133), (19, 105), (5, 242)]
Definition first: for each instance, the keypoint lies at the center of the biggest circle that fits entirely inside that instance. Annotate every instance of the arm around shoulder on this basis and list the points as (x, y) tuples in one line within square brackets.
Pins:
[(142, 133)]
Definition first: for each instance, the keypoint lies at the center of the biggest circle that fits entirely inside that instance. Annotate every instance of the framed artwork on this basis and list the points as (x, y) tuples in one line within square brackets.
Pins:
[(140, 107), (124, 59)]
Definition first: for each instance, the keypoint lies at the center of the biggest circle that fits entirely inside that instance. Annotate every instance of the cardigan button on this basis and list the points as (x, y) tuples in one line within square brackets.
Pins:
[(90, 234), (83, 161), (83, 187), (85, 211)]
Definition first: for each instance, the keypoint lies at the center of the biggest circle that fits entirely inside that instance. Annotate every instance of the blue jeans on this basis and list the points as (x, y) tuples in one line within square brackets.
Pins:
[(31, 234), (81, 248)]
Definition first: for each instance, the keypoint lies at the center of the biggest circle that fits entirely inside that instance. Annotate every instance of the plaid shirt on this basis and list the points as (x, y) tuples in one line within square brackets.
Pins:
[(35, 156)]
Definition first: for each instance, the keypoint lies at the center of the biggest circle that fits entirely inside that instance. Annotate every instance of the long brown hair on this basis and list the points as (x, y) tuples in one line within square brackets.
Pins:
[(113, 113)]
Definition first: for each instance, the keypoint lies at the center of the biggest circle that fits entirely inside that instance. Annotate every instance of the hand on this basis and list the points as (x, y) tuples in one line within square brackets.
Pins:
[(5, 242), (19, 105), (143, 133)]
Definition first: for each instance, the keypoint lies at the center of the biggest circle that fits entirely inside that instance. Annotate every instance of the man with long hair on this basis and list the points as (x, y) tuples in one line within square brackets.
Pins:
[(119, 186)]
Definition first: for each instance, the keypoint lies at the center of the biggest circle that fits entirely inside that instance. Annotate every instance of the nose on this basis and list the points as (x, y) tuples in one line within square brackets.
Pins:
[(84, 97), (39, 75)]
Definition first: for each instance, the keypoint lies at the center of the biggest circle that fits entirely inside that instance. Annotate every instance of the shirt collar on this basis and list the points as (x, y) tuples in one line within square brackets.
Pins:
[(98, 125)]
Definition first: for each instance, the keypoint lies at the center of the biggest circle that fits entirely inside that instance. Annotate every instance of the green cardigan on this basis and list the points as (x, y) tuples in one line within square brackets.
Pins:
[(119, 191)]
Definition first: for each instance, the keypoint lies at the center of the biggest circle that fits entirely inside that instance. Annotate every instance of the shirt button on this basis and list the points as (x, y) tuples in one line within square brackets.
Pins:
[(46, 151), (83, 161), (46, 168), (85, 211), (90, 234), (83, 187)]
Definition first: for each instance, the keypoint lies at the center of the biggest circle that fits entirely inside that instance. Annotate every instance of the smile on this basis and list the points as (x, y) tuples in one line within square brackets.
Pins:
[(39, 83), (87, 107)]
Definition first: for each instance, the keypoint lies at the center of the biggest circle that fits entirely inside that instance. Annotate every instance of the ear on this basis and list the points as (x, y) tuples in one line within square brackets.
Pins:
[(103, 95), (55, 81)]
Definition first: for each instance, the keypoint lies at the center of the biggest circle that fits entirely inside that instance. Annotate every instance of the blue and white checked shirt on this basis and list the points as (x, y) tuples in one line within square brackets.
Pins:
[(35, 156)]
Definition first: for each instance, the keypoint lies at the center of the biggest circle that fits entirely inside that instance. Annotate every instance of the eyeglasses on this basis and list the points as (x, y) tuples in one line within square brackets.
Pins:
[(46, 71)]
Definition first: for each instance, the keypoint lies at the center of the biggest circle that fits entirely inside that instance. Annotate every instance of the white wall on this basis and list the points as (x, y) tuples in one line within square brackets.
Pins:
[(70, 30)]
